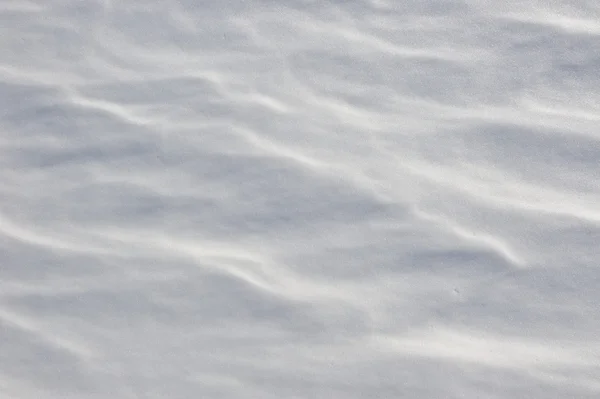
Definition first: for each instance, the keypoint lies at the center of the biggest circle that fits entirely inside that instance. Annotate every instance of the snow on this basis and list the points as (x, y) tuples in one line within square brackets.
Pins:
[(299, 199)]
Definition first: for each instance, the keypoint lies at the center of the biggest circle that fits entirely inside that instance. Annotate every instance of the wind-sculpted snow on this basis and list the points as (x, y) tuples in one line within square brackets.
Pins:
[(299, 199)]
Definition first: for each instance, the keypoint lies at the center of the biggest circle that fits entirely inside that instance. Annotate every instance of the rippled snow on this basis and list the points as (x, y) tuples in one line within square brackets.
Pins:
[(299, 199)]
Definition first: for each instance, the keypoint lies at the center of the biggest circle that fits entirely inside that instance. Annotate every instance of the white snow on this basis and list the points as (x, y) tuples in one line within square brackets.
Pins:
[(299, 199)]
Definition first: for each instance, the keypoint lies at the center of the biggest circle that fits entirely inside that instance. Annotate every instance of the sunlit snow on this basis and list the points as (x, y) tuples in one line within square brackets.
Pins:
[(299, 199)]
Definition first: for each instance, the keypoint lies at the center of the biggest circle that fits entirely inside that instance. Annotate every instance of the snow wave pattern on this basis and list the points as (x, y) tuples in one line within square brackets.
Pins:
[(299, 199)]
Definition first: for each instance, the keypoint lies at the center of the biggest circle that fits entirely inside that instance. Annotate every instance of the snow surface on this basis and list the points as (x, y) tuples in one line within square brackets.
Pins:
[(299, 199)]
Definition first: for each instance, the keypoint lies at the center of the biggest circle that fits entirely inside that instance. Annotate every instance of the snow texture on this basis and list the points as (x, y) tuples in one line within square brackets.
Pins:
[(299, 199)]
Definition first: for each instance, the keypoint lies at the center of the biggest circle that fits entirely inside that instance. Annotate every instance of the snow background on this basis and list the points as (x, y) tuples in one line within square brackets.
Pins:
[(299, 199)]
